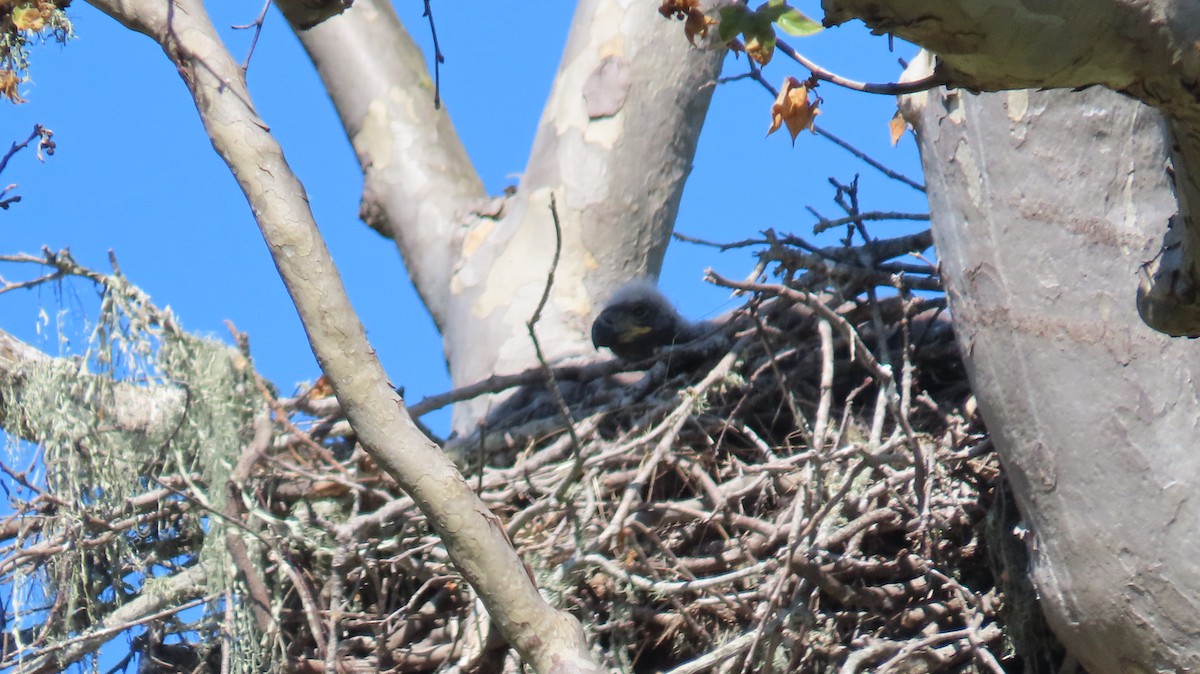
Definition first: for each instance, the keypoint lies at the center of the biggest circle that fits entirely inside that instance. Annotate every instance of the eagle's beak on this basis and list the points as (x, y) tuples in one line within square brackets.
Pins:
[(615, 328)]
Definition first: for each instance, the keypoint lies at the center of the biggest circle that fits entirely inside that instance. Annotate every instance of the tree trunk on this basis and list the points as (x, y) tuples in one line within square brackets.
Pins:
[(615, 146), (1048, 209), (1045, 207)]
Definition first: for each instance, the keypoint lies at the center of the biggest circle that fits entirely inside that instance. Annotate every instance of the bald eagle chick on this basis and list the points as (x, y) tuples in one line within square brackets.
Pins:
[(637, 320)]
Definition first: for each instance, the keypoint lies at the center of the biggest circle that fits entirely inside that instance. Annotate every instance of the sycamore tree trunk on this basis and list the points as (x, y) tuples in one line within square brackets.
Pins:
[(1146, 49), (1045, 206), (1057, 226), (1048, 209), (614, 146)]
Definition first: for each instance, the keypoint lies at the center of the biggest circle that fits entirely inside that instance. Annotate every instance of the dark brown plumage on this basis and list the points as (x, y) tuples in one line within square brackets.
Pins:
[(637, 320)]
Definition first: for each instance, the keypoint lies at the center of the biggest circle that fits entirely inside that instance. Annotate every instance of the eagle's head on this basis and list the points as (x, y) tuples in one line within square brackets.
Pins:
[(637, 320)]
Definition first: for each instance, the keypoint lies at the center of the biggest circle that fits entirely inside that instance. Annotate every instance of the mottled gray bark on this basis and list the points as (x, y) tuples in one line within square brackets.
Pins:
[(1045, 205), (1049, 214)]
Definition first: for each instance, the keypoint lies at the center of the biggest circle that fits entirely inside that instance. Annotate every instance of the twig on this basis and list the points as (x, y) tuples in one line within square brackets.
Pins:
[(547, 371), (438, 58), (257, 25), (894, 175), (824, 224), (825, 403), (46, 144), (716, 656), (756, 75), (668, 587), (260, 594)]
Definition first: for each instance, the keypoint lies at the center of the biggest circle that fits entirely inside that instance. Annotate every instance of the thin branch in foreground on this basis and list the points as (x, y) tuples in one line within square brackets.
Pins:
[(889, 89), (867, 159), (45, 144), (551, 382), (438, 57)]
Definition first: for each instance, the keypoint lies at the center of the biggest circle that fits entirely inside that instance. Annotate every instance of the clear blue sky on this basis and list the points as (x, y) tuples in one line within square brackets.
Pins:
[(135, 173)]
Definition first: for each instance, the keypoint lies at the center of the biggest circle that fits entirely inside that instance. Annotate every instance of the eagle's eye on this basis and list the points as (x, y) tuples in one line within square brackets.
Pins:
[(640, 311)]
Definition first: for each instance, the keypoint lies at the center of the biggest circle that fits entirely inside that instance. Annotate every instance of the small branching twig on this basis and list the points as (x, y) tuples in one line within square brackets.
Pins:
[(438, 57), (755, 74), (45, 146), (257, 25), (547, 371)]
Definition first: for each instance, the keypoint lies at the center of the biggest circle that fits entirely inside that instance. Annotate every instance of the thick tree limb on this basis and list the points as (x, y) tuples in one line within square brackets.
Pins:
[(419, 186), (547, 639), (1144, 49)]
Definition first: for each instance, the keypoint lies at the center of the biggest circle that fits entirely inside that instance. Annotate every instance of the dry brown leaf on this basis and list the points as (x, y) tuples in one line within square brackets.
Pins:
[(695, 21), (897, 127), (28, 18), (9, 81), (323, 388), (793, 108), (697, 24)]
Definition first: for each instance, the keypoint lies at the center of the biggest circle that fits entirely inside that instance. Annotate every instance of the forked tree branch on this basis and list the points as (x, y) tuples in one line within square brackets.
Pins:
[(547, 639)]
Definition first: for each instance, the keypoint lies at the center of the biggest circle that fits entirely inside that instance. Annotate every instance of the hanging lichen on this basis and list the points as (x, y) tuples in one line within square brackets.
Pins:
[(136, 437)]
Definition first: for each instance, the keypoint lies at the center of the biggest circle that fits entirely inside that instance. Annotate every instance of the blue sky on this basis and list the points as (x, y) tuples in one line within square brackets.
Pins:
[(135, 173)]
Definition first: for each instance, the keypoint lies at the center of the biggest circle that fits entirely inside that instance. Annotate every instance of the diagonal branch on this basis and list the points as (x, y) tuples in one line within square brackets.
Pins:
[(161, 600), (546, 638)]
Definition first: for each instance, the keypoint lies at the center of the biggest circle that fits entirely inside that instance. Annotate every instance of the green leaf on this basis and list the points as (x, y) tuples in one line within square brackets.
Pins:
[(790, 19), (794, 22), (733, 21), (771, 10)]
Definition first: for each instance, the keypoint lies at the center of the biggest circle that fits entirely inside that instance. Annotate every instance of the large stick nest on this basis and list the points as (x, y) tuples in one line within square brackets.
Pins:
[(806, 489), (809, 489)]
